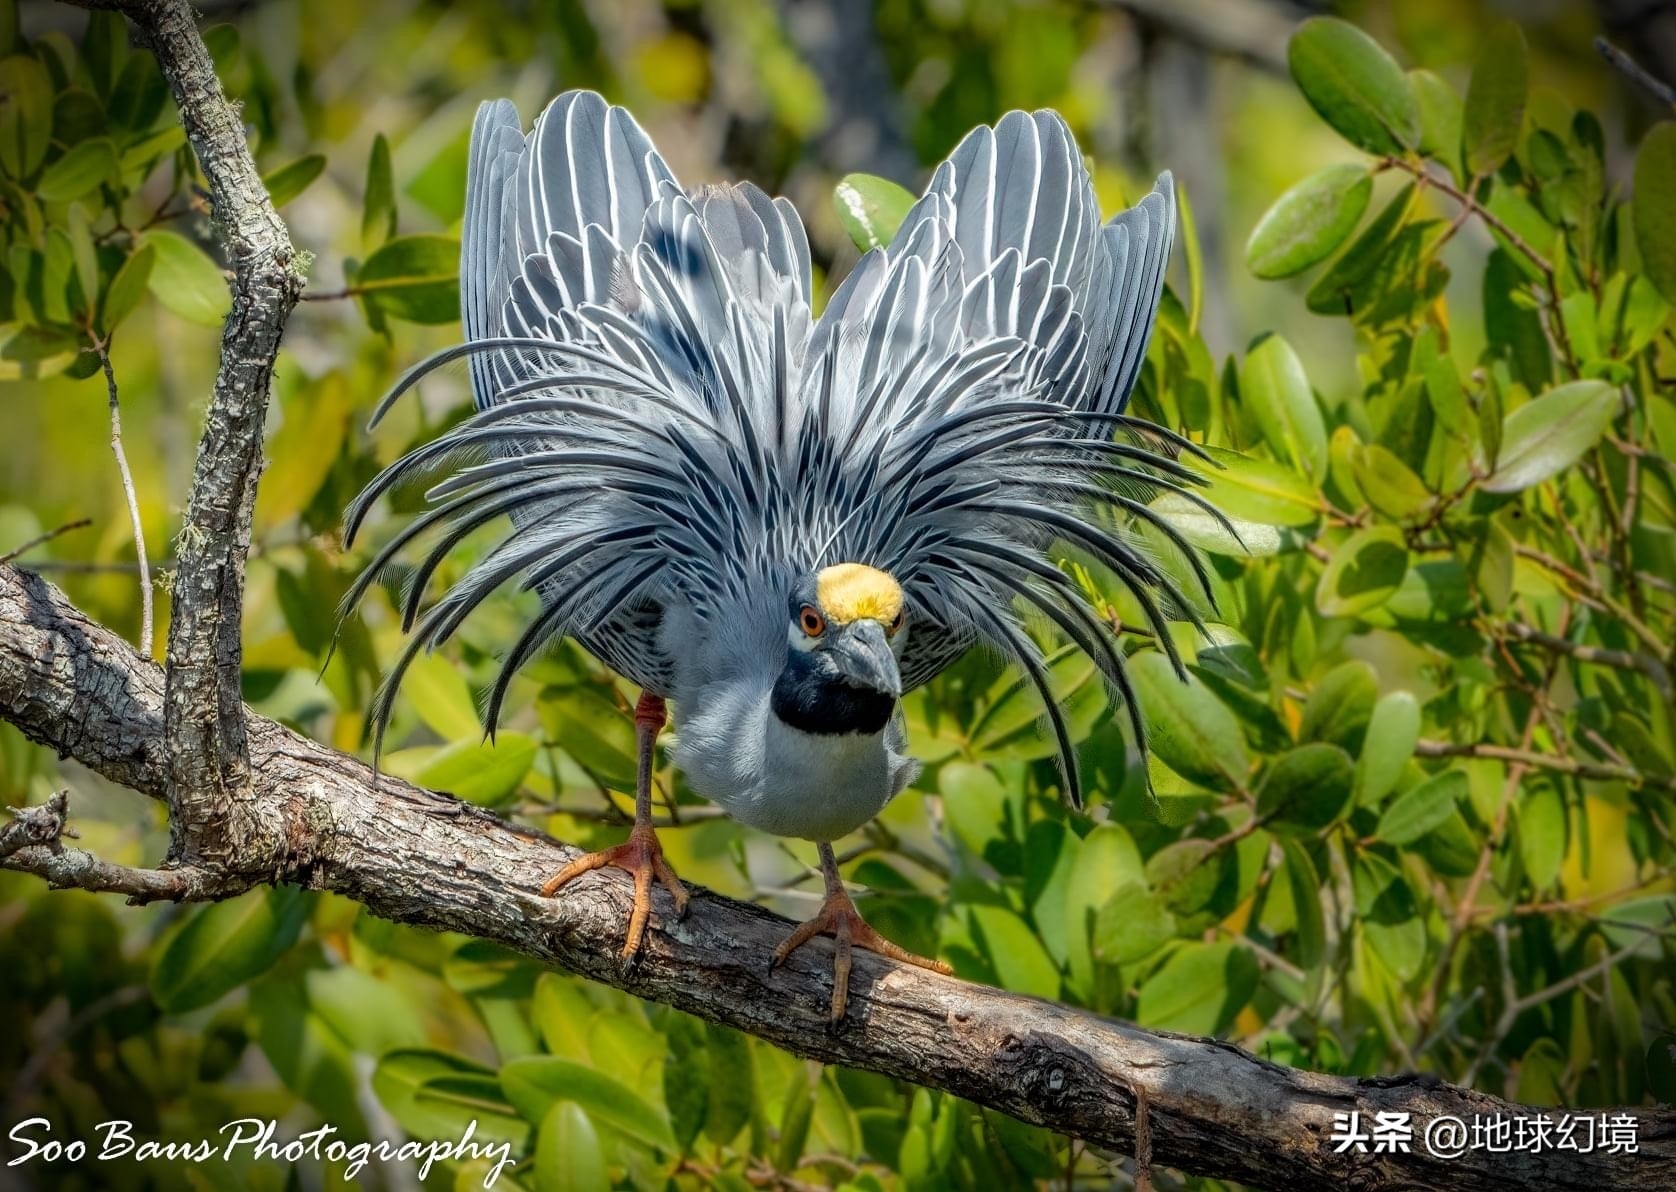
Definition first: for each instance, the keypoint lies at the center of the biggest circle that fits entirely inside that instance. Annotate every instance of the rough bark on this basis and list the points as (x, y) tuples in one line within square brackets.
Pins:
[(213, 817), (422, 858)]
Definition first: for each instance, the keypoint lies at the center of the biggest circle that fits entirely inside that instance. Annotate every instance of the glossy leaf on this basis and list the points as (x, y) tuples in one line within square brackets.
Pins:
[(1550, 433), (80, 171), (434, 1094), (378, 207), (1277, 393), (568, 1153), (479, 772), (224, 945), (185, 280), (1199, 989), (1654, 212), (1132, 925), (870, 209), (1389, 485), (416, 278), (1308, 788), (291, 179), (1189, 728), (1495, 100), (1354, 85), (1362, 573), (534, 1084), (1258, 490), (1393, 729), (1415, 812), (1307, 223)]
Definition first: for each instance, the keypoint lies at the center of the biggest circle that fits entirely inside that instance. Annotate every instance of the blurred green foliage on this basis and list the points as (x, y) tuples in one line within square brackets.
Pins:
[(1412, 809)]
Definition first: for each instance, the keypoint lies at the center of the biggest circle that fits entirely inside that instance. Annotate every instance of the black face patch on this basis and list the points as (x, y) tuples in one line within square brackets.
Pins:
[(815, 702)]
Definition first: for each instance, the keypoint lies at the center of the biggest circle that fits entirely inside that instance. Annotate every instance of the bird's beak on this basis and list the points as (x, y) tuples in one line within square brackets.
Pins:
[(862, 653)]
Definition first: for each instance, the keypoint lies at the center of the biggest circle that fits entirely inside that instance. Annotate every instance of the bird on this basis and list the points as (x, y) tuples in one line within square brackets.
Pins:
[(776, 523)]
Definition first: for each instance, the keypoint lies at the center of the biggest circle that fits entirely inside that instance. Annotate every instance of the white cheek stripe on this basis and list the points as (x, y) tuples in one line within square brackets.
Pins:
[(797, 639)]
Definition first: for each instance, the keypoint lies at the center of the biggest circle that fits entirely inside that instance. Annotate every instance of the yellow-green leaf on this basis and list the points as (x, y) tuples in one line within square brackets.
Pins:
[(185, 280), (1306, 224)]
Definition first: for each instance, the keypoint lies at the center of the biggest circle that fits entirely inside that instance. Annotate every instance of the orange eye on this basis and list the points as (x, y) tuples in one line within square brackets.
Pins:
[(901, 616), (811, 620)]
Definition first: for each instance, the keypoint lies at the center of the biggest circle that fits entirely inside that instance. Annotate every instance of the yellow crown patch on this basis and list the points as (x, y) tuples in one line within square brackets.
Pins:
[(852, 591)]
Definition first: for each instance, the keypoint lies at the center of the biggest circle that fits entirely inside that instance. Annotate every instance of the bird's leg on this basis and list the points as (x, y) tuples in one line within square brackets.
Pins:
[(839, 917), (640, 854)]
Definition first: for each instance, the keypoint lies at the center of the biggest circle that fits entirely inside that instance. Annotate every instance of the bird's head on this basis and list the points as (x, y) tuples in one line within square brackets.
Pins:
[(841, 674)]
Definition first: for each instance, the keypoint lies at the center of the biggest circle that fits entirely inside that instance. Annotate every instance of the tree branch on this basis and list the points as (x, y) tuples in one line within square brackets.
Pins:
[(416, 857), (212, 806)]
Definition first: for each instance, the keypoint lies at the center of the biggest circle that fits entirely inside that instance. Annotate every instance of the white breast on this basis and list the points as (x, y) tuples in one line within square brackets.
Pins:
[(735, 752)]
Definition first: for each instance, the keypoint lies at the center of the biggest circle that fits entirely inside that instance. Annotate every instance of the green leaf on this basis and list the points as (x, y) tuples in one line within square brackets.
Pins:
[(185, 280), (308, 1057), (1342, 288), (870, 209), (224, 945), (1340, 706), (974, 804), (478, 772), (1011, 723), (1388, 483), (1304, 885), (1354, 85), (1441, 116), (1550, 433), (589, 726), (416, 278), (1107, 860), (534, 1084), (1362, 573), (25, 115), (123, 295), (1495, 100), (1020, 960), (1393, 730), (1225, 535), (1199, 989), (1131, 925), (1540, 820), (378, 209), (437, 690), (369, 1015), (1389, 914), (1653, 208), (1277, 392), (1189, 728), (434, 1094), (1306, 224), (567, 1151), (1307, 788), (1257, 490), (795, 1117), (1416, 812), (78, 172), (289, 181)]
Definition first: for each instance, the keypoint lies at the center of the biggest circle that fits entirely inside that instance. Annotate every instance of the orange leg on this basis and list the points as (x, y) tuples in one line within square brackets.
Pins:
[(839, 918), (641, 854)]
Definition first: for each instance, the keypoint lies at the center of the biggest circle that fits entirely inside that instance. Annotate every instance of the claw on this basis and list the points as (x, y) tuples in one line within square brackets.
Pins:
[(642, 856), (839, 918)]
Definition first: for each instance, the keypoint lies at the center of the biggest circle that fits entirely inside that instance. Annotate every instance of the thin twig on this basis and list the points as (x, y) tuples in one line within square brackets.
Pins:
[(102, 347), (43, 539), (1599, 655), (1636, 73), (1547, 761)]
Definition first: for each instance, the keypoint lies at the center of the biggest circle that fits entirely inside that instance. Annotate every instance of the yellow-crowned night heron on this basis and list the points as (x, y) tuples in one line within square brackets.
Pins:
[(776, 522)]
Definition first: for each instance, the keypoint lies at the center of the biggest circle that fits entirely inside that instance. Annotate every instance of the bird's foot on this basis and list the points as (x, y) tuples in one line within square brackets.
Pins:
[(839, 919), (642, 856)]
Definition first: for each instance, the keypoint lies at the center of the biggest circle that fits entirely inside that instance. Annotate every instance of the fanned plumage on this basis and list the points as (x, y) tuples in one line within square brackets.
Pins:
[(677, 441)]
